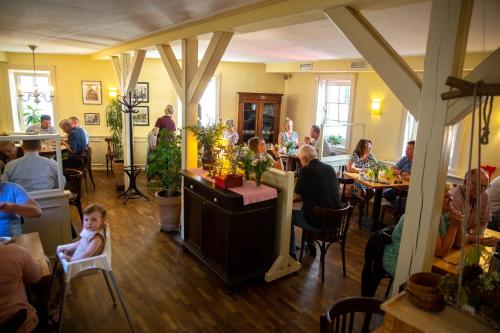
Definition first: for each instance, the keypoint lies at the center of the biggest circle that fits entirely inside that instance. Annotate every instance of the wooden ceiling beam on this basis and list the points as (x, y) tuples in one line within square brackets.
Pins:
[(171, 65), (133, 75), (391, 67)]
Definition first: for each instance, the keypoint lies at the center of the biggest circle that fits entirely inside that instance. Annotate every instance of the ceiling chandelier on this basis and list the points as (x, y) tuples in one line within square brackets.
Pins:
[(36, 94)]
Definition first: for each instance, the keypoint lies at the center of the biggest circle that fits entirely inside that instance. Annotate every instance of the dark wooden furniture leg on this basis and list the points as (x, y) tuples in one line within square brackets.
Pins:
[(377, 203)]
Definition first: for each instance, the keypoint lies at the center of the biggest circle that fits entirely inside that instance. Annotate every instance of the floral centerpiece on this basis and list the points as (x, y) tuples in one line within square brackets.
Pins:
[(261, 163), (245, 157), (289, 146), (376, 171), (208, 136)]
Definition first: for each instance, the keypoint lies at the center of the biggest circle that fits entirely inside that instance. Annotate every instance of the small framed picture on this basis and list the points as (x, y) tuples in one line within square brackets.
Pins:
[(142, 91), (91, 92), (141, 117), (92, 118)]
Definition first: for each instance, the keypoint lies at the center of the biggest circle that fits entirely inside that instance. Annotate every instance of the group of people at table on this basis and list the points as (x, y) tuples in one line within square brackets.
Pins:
[(23, 170)]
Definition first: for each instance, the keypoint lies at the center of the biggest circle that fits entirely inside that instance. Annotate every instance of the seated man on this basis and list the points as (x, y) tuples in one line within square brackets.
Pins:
[(75, 122), (317, 185), (493, 193), (32, 171), (403, 168), (459, 204), (18, 270), (44, 127), (15, 201), (75, 143), (314, 134)]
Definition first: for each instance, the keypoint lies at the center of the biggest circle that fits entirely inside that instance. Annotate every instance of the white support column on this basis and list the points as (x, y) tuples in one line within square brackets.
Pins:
[(395, 72), (446, 42)]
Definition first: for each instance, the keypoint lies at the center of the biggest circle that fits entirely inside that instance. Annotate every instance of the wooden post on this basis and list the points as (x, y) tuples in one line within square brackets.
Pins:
[(445, 53)]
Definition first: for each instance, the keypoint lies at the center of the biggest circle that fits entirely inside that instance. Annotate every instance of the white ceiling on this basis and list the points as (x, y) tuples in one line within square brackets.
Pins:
[(89, 25)]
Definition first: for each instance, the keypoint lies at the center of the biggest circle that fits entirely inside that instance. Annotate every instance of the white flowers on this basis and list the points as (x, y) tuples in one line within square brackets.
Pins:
[(254, 162)]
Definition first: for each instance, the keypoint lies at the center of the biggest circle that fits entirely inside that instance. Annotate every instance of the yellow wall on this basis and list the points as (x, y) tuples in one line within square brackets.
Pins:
[(71, 70)]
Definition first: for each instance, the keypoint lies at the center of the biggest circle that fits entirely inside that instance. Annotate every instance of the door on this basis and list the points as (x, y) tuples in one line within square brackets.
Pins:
[(269, 121), (249, 121)]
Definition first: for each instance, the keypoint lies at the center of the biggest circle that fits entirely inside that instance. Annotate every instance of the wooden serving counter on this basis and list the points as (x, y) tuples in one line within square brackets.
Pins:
[(235, 241)]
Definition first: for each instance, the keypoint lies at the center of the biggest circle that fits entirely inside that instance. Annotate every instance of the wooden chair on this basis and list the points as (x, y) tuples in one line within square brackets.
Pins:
[(109, 156), (334, 226), (340, 317), (395, 210), (74, 185), (355, 201), (86, 166)]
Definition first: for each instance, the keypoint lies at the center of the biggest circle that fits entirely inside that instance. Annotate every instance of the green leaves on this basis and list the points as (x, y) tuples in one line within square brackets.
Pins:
[(208, 135), (115, 124), (32, 116), (164, 163)]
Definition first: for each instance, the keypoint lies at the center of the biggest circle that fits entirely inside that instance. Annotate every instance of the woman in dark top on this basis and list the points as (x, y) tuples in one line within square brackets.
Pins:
[(165, 121)]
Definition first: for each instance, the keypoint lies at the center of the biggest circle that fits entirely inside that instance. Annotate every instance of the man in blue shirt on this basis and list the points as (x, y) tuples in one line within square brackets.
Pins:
[(403, 168), (32, 171), (15, 201), (76, 144), (75, 122)]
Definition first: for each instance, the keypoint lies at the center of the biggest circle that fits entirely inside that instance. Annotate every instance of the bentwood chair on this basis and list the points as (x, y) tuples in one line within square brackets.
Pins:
[(341, 316), (74, 185), (345, 196), (396, 209), (96, 264), (86, 166), (334, 227)]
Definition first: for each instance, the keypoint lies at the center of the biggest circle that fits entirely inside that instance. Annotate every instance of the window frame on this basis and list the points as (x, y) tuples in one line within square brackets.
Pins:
[(13, 99)]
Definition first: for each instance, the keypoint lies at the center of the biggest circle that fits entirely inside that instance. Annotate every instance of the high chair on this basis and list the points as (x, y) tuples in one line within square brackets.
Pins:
[(85, 266)]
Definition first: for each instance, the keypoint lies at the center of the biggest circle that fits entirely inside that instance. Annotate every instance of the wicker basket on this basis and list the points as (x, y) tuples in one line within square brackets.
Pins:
[(423, 291)]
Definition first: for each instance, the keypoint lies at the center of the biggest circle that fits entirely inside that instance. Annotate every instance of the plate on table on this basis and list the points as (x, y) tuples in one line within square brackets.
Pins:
[(4, 240)]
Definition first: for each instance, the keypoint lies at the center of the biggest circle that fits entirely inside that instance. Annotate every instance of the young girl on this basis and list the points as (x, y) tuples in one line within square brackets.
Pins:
[(92, 237)]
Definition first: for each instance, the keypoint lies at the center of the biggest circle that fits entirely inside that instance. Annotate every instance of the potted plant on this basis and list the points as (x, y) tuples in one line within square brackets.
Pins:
[(335, 139), (164, 165), (115, 124), (208, 136), (32, 116)]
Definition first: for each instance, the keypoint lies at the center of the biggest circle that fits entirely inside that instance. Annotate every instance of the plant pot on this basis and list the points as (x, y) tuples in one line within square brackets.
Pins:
[(169, 209), (207, 158), (423, 291), (118, 172)]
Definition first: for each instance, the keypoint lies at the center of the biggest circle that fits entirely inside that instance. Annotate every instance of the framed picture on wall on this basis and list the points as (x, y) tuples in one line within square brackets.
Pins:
[(91, 92), (92, 118), (141, 118), (142, 91)]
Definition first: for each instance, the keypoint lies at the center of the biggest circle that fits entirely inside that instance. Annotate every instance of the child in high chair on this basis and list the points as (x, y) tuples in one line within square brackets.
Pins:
[(92, 237)]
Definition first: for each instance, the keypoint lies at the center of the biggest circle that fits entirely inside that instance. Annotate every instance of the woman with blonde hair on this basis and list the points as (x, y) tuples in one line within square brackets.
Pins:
[(288, 136), (166, 121)]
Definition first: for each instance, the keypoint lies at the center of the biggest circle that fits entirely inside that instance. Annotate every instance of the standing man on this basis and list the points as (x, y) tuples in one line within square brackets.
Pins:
[(76, 144), (459, 203), (32, 171), (76, 123), (317, 185), (45, 126), (493, 193)]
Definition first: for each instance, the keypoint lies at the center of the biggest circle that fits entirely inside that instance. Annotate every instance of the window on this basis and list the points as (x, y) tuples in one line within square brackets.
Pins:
[(410, 133), (208, 106), (22, 80), (334, 108)]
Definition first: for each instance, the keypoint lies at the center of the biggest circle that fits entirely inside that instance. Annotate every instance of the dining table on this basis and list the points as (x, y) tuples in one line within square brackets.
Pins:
[(450, 262), (31, 242), (379, 188)]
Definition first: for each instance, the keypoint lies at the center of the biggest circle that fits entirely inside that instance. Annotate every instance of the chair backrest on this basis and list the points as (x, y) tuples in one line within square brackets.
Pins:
[(345, 182), (340, 318), (74, 181), (101, 261), (334, 222)]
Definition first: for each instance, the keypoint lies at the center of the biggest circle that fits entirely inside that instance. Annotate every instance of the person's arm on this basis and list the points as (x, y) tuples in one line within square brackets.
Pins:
[(443, 244), (94, 246), (28, 209), (156, 130), (32, 271), (67, 248), (351, 167)]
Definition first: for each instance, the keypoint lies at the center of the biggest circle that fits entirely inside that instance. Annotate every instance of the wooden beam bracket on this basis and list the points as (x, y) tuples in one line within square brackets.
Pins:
[(466, 88)]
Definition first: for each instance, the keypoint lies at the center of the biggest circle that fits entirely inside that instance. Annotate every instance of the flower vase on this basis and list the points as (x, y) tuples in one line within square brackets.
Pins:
[(207, 158), (247, 174), (258, 179)]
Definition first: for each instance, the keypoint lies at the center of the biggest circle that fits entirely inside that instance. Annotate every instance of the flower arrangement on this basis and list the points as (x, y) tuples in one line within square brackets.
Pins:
[(376, 171), (208, 136), (245, 157), (260, 164), (289, 146)]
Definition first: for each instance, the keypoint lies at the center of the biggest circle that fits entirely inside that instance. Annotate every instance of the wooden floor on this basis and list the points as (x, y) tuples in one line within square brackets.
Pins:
[(167, 290)]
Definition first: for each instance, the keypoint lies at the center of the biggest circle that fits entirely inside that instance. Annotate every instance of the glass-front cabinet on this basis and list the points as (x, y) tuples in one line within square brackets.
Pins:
[(259, 115)]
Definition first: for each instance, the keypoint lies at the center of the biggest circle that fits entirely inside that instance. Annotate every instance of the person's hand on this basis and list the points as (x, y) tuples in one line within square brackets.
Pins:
[(64, 143), (307, 140), (455, 216), (488, 241), (6, 207)]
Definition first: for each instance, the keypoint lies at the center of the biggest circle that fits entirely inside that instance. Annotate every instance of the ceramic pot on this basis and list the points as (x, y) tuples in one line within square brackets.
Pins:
[(169, 209)]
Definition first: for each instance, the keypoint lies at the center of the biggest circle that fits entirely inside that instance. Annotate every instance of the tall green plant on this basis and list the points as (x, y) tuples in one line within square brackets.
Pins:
[(115, 124), (32, 116), (164, 163), (208, 135)]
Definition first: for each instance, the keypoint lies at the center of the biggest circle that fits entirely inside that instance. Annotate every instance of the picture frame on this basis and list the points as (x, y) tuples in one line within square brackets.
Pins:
[(92, 118), (141, 118), (92, 92), (142, 91)]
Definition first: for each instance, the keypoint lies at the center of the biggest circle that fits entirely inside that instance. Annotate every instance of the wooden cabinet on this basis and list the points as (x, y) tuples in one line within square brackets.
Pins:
[(233, 240), (259, 115)]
